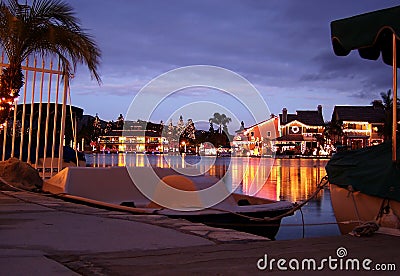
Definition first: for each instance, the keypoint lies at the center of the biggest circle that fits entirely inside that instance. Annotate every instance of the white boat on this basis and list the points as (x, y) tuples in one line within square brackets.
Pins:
[(113, 187)]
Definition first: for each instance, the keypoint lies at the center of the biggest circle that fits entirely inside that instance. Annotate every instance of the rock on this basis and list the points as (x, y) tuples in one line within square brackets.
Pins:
[(20, 174)]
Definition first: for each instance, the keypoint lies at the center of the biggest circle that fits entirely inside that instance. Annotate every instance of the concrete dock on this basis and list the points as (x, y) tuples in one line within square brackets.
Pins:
[(43, 235)]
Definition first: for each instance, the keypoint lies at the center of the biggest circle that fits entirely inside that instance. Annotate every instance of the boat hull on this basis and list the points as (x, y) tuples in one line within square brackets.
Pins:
[(265, 228), (353, 208)]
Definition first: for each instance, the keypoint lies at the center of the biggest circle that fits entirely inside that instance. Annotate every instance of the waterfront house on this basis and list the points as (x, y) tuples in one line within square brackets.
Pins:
[(299, 133), (360, 124), (257, 139)]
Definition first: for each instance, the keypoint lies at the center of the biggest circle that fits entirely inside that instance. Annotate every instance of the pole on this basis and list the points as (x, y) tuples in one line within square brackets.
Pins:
[(63, 117), (4, 141), (394, 127), (46, 131), (14, 128), (4, 125), (23, 113), (39, 124), (55, 122), (28, 160)]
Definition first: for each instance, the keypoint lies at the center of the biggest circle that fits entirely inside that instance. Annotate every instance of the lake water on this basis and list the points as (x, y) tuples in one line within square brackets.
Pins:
[(279, 179)]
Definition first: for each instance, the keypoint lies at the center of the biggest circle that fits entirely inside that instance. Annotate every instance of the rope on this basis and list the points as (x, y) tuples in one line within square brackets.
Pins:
[(34, 191), (355, 205), (365, 230), (397, 215), (302, 223), (323, 182)]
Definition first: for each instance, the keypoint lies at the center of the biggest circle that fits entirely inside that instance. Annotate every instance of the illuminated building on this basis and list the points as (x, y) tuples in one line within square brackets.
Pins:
[(256, 140), (299, 132), (138, 136), (360, 124)]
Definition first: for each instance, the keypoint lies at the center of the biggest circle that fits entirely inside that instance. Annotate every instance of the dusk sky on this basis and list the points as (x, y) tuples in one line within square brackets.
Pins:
[(282, 47)]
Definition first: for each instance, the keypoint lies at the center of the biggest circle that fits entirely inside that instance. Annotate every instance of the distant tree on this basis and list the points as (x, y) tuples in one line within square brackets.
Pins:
[(222, 121), (190, 129), (211, 129), (170, 129), (217, 119), (241, 125), (387, 105), (180, 127), (225, 121), (87, 131), (169, 132), (120, 122), (109, 127), (96, 127), (333, 131)]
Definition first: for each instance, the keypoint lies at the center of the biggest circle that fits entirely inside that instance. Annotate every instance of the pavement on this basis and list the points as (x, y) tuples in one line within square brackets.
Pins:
[(44, 235)]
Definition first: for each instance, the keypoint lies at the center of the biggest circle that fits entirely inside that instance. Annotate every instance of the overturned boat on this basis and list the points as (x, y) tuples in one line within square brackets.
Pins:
[(114, 188)]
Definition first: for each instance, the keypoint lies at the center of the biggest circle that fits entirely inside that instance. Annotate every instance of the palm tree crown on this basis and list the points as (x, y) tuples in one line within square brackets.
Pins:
[(221, 120), (48, 27)]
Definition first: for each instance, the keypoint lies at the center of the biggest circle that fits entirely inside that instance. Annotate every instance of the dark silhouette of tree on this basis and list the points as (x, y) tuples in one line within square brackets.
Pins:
[(96, 128), (334, 132), (109, 127), (189, 132), (120, 122), (180, 127), (241, 125), (222, 121), (387, 105), (211, 129)]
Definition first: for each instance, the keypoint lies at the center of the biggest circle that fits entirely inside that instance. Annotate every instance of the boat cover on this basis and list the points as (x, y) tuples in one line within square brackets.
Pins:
[(368, 170)]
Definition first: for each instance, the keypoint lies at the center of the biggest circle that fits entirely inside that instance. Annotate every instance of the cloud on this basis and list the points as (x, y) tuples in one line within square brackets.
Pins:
[(282, 47)]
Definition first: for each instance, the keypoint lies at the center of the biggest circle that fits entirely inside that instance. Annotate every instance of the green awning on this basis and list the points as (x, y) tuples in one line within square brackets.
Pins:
[(369, 33)]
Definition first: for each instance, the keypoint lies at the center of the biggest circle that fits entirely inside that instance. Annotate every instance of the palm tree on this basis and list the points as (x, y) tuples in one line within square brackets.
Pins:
[(222, 121), (216, 119), (333, 131), (387, 105), (225, 121), (48, 27)]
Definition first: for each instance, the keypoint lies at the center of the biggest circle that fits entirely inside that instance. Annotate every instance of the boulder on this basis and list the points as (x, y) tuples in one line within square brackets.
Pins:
[(20, 174)]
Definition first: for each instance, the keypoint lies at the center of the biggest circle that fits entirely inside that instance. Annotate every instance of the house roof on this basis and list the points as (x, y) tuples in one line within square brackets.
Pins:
[(272, 119), (307, 117), (368, 114)]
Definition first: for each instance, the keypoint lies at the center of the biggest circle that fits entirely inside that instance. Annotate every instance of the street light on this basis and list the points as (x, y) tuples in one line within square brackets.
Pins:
[(184, 145)]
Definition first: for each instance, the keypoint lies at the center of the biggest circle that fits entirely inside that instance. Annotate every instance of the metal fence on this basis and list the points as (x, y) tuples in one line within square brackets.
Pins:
[(35, 132)]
